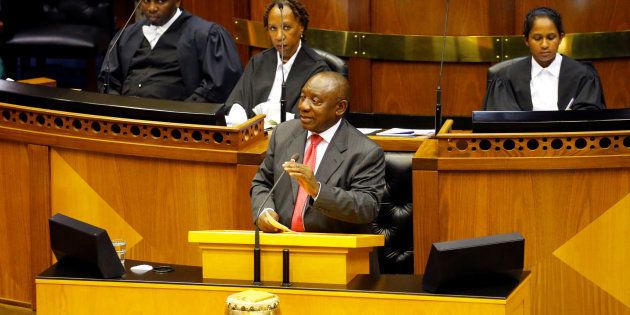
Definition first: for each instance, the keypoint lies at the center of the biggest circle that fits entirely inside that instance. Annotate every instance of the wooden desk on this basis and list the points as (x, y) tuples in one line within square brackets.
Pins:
[(561, 191), (184, 292)]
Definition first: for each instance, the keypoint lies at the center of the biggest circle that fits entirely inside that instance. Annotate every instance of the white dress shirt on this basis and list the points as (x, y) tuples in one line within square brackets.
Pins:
[(323, 145), (544, 84), (153, 32), (271, 107)]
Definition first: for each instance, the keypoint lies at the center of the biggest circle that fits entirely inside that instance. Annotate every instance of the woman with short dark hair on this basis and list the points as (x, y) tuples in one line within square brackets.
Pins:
[(258, 90), (547, 80)]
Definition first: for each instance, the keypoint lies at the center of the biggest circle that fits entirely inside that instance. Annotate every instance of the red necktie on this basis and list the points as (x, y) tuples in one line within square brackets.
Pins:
[(300, 202)]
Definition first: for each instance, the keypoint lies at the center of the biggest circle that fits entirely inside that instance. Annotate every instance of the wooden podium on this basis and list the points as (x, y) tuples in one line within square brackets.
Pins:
[(314, 257)]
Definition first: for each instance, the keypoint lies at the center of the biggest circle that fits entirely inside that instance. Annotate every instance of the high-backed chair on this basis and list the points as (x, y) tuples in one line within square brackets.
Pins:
[(494, 69), (334, 63), (395, 219), (74, 29)]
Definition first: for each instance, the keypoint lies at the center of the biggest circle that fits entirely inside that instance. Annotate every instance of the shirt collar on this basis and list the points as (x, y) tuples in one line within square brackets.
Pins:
[(164, 28), (289, 63), (554, 67), (329, 133)]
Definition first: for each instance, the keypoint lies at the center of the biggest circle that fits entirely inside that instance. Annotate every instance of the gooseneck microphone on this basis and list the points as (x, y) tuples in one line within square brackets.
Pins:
[(257, 281), (108, 71), (438, 92), (283, 89)]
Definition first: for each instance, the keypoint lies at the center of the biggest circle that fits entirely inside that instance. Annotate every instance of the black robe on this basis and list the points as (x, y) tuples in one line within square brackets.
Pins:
[(510, 90), (255, 85), (209, 62)]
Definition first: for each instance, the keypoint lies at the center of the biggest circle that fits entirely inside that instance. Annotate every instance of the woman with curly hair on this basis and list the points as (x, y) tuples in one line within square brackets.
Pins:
[(258, 90)]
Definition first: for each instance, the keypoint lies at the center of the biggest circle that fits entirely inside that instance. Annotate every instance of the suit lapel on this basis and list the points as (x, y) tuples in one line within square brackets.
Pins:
[(296, 145), (333, 156), (264, 82), (294, 81), (523, 77), (565, 82), (130, 48)]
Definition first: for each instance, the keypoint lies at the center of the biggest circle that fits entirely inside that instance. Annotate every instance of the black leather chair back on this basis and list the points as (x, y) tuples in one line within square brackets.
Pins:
[(334, 63), (83, 12), (494, 69), (65, 28), (395, 219)]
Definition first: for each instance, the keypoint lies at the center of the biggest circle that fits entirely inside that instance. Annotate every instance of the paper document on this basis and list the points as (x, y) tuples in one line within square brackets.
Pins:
[(277, 224), (400, 132), (367, 131)]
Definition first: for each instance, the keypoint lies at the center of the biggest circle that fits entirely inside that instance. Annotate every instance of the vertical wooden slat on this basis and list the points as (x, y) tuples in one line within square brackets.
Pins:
[(360, 69), (426, 227), (39, 209)]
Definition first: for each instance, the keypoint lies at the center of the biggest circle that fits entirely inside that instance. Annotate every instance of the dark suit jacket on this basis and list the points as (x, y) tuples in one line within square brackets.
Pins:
[(209, 62), (255, 85), (352, 176), (510, 90)]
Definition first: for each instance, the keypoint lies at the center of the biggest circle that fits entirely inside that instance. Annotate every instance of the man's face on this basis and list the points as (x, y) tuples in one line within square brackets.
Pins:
[(319, 105), (159, 12)]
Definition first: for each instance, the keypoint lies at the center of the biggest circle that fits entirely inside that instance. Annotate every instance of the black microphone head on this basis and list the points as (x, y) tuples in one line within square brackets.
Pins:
[(280, 6), (295, 156)]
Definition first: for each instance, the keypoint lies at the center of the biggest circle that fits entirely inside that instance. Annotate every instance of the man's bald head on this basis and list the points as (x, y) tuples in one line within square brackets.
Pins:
[(323, 101)]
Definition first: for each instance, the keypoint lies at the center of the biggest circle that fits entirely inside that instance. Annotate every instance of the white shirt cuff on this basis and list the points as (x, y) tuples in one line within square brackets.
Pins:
[(319, 188)]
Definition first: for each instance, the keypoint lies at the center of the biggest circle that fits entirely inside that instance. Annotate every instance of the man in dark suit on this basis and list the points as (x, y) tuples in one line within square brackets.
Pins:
[(171, 54), (343, 192)]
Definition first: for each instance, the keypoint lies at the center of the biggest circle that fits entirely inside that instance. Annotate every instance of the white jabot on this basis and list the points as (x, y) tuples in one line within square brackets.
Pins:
[(274, 94), (271, 108), (153, 32), (544, 84), (323, 145)]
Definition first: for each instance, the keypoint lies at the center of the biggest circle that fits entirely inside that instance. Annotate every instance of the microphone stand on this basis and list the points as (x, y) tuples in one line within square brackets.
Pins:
[(257, 281), (438, 92), (283, 90), (108, 71)]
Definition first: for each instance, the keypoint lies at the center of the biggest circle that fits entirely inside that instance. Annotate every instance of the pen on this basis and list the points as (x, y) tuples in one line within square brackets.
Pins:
[(570, 103)]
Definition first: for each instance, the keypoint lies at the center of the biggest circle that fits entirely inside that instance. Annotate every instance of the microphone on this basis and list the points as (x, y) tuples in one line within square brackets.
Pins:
[(114, 43), (283, 89), (257, 281), (438, 92)]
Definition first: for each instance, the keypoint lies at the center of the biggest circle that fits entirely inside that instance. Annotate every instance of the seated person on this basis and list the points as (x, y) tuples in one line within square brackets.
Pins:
[(258, 90), (173, 55), (339, 185), (547, 80)]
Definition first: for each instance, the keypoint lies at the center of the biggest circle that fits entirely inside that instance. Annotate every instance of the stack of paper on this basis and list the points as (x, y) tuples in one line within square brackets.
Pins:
[(400, 132)]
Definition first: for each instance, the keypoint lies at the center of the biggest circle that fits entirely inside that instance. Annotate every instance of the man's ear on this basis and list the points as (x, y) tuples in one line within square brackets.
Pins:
[(342, 107)]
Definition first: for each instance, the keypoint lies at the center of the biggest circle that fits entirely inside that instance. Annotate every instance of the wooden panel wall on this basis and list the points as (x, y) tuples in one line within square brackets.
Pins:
[(15, 261), (409, 87)]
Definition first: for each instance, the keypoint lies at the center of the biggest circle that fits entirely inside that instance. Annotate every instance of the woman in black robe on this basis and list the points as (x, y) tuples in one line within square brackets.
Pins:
[(257, 91), (578, 86)]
